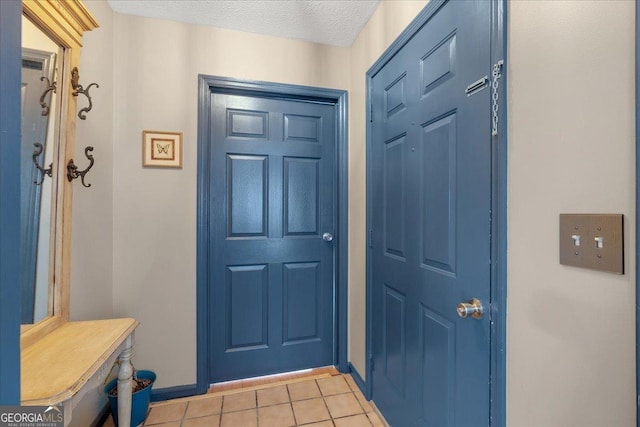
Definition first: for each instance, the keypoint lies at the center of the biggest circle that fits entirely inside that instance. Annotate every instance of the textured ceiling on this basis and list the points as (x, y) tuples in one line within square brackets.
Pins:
[(334, 22)]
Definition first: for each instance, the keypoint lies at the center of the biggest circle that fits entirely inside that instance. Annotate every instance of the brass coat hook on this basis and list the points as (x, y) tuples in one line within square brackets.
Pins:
[(72, 169), (77, 89), (48, 171), (51, 87)]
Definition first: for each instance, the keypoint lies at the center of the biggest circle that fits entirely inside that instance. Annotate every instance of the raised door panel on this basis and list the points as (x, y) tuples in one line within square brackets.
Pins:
[(302, 128), (301, 196), (439, 64), (395, 96), (247, 124), (302, 302), (437, 369), (247, 309), (394, 314), (395, 198), (438, 194), (247, 194)]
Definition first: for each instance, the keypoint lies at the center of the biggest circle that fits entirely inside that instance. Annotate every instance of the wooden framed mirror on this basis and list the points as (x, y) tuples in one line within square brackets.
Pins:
[(60, 361), (52, 36), (40, 123)]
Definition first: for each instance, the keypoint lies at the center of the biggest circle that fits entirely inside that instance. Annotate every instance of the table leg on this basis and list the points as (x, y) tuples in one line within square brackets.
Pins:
[(125, 383)]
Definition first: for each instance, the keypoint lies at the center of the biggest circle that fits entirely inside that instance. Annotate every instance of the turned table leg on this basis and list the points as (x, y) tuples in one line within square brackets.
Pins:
[(125, 383)]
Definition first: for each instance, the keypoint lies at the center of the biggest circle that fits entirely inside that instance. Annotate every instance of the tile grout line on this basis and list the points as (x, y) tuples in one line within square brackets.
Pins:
[(290, 402), (295, 420), (325, 404), (255, 393), (346, 416)]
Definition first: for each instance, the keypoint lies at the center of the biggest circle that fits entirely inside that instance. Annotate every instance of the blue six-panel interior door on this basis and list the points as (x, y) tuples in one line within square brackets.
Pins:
[(271, 198), (431, 171)]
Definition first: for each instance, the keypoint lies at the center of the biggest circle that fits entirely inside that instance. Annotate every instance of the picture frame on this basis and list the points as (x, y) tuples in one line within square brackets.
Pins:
[(161, 149)]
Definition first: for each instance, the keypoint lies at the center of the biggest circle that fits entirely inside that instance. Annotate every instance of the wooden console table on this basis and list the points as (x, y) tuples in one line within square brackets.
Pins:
[(57, 367)]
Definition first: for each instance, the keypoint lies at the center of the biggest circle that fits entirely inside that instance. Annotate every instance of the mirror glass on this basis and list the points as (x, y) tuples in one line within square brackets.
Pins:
[(41, 58)]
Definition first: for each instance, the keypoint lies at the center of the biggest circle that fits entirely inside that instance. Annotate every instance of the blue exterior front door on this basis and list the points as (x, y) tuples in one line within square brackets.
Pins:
[(430, 151), (271, 200)]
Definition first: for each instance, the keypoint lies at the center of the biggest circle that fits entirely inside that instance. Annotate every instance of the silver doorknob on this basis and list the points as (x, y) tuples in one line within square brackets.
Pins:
[(327, 237), (472, 308)]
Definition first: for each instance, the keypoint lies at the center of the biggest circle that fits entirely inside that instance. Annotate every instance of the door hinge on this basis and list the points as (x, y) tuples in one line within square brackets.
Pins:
[(370, 112), (496, 74), (370, 238), (371, 364)]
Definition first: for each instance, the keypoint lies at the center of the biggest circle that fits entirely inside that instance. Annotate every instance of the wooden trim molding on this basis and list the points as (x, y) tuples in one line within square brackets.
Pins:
[(64, 20)]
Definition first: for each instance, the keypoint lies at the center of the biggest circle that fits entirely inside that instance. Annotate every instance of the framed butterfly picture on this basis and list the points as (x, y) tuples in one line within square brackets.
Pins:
[(162, 149)]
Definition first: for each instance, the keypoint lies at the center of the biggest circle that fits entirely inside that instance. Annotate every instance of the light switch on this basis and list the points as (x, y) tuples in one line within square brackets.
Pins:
[(599, 242), (604, 231)]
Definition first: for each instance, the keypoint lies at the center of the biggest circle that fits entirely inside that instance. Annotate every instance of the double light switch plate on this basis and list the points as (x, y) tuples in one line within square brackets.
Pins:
[(594, 241)]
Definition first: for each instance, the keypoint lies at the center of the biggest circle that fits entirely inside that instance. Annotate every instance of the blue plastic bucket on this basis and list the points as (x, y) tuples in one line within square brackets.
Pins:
[(139, 400)]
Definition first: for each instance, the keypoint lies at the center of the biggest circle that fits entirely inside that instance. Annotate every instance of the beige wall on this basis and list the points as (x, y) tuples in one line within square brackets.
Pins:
[(571, 332), (92, 225), (154, 258), (387, 22)]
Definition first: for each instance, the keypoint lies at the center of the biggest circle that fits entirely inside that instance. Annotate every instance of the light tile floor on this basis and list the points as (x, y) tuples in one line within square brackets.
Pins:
[(329, 401)]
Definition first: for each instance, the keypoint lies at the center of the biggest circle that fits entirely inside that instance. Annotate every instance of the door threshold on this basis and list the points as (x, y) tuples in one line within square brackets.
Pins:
[(268, 380)]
